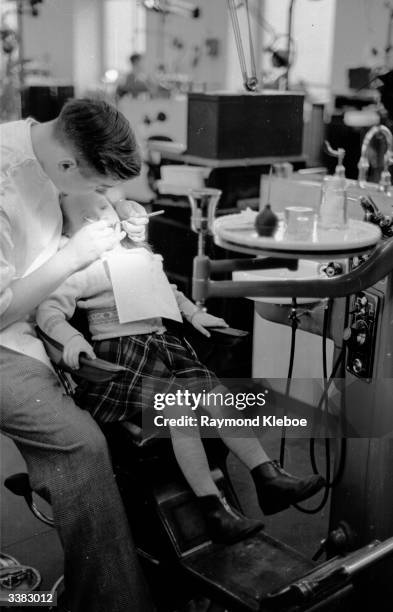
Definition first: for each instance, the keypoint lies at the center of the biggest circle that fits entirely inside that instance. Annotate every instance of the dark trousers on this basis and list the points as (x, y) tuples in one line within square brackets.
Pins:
[(68, 463)]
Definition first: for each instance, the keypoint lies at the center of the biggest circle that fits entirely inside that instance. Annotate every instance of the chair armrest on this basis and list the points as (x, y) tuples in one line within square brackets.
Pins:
[(229, 333), (135, 434), (228, 337), (221, 336), (94, 370)]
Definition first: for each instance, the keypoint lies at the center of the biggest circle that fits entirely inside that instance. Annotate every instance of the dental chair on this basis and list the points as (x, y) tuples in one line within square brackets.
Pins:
[(258, 574), (166, 522)]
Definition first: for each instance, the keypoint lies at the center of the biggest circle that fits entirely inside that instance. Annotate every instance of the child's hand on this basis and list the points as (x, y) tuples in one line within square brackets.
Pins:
[(133, 219), (74, 347), (202, 320)]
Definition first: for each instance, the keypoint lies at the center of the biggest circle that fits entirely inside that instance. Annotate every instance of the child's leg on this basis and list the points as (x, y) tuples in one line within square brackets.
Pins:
[(276, 488), (243, 443), (224, 523), (192, 460), (248, 449)]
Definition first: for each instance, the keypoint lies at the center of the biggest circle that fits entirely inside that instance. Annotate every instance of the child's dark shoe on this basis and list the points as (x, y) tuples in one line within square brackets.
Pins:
[(226, 525), (277, 489)]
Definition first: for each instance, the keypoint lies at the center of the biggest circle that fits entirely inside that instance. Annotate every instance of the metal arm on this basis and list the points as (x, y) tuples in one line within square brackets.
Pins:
[(379, 264), (250, 81), (329, 578)]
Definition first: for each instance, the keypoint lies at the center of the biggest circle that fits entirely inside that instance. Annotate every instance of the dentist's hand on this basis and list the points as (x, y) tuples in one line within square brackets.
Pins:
[(134, 219), (91, 241)]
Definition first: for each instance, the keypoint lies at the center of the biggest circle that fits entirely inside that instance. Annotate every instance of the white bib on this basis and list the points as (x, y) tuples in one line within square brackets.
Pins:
[(140, 286)]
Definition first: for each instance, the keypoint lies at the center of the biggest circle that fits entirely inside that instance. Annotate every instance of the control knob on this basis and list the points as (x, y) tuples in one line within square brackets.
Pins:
[(358, 367), (357, 334), (331, 269)]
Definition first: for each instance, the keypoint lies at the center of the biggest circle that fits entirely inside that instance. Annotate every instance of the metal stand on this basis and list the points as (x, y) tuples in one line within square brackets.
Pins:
[(203, 210)]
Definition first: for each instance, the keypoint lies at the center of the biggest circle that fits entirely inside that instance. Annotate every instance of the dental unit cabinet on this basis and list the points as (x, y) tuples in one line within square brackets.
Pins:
[(357, 286)]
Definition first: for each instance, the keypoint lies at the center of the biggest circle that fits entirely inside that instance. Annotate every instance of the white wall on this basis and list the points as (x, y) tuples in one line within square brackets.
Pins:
[(124, 27), (331, 36), (88, 46), (68, 34), (193, 32), (49, 37), (359, 26), (313, 34)]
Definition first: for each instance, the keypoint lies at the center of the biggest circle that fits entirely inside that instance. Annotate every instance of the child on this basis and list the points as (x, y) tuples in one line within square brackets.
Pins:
[(152, 358)]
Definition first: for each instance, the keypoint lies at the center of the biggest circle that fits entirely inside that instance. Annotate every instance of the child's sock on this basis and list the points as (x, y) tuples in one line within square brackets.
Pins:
[(243, 441), (248, 450), (191, 457)]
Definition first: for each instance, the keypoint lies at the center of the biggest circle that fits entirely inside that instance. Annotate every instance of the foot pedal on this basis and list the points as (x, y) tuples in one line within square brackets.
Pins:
[(246, 572)]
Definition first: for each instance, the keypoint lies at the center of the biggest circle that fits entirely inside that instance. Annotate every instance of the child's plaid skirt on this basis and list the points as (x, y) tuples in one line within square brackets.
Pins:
[(155, 363)]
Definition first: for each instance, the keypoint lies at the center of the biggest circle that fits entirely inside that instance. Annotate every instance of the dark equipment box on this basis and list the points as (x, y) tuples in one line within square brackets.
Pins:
[(234, 126), (45, 102), (359, 78)]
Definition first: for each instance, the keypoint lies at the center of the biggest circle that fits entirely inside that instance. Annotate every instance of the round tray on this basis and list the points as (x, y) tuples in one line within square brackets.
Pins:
[(238, 231)]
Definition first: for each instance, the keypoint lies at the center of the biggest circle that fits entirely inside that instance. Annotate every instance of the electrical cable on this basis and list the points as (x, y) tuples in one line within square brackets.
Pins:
[(294, 317), (340, 360), (343, 449), (325, 400), (326, 319), (341, 465), (294, 325), (340, 468), (330, 483)]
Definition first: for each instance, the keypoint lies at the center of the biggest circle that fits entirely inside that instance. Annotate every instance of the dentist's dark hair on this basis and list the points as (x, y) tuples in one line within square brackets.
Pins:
[(100, 138)]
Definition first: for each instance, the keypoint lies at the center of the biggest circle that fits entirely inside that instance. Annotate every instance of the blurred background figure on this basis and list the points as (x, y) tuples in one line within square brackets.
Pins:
[(135, 82)]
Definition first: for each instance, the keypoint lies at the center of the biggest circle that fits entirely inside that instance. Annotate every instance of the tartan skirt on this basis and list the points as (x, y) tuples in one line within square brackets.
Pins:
[(155, 363)]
